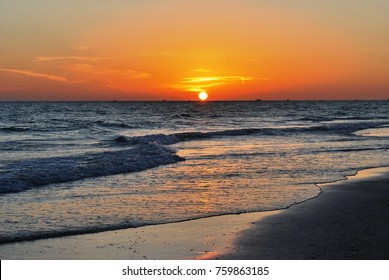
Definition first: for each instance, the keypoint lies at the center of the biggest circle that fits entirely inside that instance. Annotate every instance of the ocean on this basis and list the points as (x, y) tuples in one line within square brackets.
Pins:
[(70, 168)]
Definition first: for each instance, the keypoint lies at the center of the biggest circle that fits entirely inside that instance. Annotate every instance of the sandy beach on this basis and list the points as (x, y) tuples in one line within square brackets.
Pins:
[(348, 220)]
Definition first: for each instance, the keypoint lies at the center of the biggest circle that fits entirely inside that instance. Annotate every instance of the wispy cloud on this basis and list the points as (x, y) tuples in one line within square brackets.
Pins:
[(202, 70), (199, 80), (134, 74), (201, 83), (35, 74), (197, 88), (40, 59), (112, 85)]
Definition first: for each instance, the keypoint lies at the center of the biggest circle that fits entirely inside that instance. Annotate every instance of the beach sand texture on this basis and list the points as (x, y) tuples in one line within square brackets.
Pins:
[(349, 220)]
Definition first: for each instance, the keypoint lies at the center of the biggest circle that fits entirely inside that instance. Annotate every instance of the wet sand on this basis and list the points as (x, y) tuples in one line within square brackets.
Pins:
[(349, 220), (197, 239)]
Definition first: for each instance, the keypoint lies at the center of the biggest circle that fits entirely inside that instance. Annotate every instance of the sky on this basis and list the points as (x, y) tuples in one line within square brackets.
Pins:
[(173, 49)]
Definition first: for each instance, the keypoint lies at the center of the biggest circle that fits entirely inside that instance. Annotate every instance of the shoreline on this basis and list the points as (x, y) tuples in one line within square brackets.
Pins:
[(347, 221), (259, 235), (195, 239)]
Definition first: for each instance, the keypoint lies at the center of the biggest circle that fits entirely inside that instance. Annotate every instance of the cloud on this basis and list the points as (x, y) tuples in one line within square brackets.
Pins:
[(35, 74), (199, 80), (40, 59), (134, 74), (112, 85), (97, 71), (86, 64), (201, 83), (197, 88)]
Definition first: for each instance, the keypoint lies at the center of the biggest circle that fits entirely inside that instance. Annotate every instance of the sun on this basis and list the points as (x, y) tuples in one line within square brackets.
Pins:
[(203, 96)]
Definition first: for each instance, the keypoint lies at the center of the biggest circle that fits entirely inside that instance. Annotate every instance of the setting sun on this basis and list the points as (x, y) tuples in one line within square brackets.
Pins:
[(203, 96)]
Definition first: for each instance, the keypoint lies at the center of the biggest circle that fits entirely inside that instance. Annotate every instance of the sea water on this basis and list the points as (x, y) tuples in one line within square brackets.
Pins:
[(77, 167)]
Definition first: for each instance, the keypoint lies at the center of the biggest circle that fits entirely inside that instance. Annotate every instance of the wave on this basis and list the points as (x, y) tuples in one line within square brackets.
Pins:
[(14, 129), (339, 118), (383, 148), (168, 139), (44, 234), (113, 124), (347, 127), (39, 172), (139, 153), (29, 236)]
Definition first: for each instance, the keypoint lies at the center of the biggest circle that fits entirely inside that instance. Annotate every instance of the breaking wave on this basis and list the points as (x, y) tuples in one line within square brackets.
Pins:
[(44, 171), (139, 153)]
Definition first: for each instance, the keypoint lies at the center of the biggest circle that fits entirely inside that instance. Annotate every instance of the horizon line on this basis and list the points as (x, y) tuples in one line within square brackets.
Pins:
[(199, 101)]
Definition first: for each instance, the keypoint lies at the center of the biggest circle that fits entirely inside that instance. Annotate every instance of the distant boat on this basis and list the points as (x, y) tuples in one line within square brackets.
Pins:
[(258, 100)]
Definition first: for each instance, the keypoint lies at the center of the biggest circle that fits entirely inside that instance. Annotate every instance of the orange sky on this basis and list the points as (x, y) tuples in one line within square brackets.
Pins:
[(173, 49)]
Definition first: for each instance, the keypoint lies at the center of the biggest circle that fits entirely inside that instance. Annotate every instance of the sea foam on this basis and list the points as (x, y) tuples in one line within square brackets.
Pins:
[(44, 171)]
